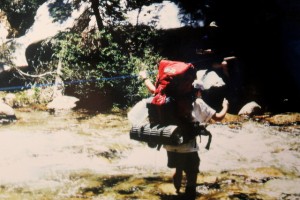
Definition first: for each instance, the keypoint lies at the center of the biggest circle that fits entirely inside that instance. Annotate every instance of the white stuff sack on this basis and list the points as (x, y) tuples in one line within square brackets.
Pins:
[(138, 113)]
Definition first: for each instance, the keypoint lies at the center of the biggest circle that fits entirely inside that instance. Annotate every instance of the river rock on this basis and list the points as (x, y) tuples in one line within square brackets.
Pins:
[(10, 99), (250, 108), (62, 103), (7, 113)]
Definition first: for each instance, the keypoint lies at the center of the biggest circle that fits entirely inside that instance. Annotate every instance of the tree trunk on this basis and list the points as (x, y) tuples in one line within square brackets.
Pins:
[(138, 16), (95, 7), (58, 89)]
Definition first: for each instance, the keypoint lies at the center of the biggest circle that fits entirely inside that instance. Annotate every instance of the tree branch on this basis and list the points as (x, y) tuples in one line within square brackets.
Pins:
[(34, 76)]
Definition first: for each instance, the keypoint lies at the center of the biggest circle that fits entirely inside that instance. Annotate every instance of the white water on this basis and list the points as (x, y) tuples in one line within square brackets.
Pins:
[(252, 146), (42, 150), (33, 156)]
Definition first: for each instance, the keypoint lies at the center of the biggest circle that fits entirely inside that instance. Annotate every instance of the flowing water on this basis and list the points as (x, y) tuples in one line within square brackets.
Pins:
[(81, 155)]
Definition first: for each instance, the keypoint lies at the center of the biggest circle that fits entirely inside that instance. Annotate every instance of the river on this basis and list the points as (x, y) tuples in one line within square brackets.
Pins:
[(83, 155)]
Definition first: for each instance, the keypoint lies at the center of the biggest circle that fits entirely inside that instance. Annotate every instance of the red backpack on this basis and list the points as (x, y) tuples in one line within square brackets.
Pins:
[(170, 110), (173, 98)]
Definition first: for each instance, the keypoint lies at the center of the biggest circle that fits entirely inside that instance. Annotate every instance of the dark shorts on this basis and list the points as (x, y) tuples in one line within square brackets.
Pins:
[(185, 161)]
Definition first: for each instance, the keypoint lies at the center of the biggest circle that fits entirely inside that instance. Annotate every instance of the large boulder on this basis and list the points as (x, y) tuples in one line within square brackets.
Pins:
[(38, 32)]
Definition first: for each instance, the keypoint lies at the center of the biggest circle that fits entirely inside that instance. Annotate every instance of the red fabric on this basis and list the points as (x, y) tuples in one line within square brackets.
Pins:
[(159, 99), (167, 71)]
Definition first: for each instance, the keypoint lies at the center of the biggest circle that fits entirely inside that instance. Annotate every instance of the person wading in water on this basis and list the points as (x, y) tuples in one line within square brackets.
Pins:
[(184, 157)]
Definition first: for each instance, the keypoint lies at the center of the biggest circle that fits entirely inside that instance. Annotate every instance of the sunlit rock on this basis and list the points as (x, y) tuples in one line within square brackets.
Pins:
[(62, 103), (7, 113), (250, 108), (163, 15), (44, 27), (5, 28), (46, 94), (10, 99), (209, 79)]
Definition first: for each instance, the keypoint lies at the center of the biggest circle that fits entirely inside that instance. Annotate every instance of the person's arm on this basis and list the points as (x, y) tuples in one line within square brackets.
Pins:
[(147, 81), (220, 115)]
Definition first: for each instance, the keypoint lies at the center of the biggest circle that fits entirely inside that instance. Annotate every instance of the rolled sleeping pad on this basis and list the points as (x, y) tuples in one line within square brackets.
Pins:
[(170, 135)]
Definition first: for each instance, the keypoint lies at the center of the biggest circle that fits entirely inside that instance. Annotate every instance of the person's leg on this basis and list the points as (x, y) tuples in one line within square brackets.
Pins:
[(173, 162), (191, 172), (177, 178), (190, 189)]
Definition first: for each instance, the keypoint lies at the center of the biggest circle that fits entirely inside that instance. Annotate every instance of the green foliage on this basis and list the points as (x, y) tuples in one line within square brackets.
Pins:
[(27, 97), (111, 70), (104, 61), (60, 10)]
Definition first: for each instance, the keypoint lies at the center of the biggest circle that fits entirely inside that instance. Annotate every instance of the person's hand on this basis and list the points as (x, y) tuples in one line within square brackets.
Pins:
[(143, 74), (225, 103)]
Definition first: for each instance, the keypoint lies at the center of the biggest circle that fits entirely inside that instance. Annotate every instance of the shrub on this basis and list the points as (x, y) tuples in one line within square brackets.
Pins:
[(90, 68)]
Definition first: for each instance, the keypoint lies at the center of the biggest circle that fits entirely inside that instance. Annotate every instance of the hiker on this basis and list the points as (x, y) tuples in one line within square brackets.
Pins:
[(184, 157)]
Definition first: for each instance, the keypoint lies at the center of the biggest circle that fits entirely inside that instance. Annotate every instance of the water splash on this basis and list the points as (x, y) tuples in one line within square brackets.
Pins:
[(252, 146)]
